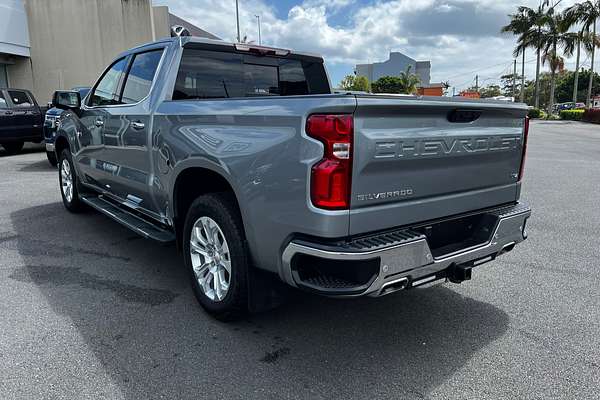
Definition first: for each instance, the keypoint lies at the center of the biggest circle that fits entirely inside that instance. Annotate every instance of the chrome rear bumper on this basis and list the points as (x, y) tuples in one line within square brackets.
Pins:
[(407, 261)]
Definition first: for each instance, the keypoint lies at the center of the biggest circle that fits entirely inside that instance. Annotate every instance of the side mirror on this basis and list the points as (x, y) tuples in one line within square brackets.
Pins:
[(66, 100)]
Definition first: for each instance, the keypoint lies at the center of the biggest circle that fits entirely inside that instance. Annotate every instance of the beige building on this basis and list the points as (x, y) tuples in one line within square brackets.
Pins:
[(60, 44)]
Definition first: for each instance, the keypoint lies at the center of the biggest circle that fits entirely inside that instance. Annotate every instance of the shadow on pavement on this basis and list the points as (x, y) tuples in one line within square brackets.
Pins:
[(131, 303), (37, 166), (29, 148)]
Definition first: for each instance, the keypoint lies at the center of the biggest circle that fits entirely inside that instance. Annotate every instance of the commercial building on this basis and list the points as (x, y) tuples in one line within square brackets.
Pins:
[(396, 64), (48, 45)]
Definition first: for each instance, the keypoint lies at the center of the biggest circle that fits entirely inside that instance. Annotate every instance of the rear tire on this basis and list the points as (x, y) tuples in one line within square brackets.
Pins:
[(13, 147), (216, 256), (69, 183), (52, 158)]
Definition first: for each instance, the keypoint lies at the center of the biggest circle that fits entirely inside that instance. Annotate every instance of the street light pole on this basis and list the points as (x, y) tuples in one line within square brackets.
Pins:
[(237, 17), (258, 21)]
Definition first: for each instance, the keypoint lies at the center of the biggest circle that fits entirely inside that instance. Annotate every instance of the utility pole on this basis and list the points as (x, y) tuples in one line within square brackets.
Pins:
[(514, 85), (477, 83), (258, 22), (237, 17)]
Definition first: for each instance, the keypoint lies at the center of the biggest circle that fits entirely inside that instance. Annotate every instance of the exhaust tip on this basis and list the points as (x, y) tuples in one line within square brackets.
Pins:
[(394, 286)]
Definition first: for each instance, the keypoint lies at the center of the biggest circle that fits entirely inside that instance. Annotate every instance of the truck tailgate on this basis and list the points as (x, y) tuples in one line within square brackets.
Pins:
[(418, 159)]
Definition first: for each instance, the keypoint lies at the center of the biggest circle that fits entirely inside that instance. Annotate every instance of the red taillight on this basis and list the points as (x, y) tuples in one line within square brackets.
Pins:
[(523, 156), (332, 175)]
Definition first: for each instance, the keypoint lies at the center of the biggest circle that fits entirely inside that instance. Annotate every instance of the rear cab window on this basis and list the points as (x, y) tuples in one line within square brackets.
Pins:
[(207, 74)]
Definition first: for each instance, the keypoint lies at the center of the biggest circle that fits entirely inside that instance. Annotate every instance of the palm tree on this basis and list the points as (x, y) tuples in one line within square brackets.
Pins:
[(555, 35), (409, 81), (528, 24), (520, 25), (587, 13)]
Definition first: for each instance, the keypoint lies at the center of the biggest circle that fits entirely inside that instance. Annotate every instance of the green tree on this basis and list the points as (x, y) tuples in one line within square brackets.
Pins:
[(513, 83), (406, 83), (520, 25), (348, 82), (361, 83), (490, 91), (409, 81), (527, 24), (355, 83), (554, 35), (587, 13)]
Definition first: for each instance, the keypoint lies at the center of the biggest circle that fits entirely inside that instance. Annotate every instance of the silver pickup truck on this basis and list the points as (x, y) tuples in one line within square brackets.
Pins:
[(244, 156)]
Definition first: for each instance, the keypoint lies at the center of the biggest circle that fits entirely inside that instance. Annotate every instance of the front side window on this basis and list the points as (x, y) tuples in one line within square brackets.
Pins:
[(20, 99), (3, 103), (106, 91), (140, 76)]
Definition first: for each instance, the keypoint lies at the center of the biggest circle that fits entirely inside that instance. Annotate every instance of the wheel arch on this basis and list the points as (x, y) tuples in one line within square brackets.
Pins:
[(186, 188)]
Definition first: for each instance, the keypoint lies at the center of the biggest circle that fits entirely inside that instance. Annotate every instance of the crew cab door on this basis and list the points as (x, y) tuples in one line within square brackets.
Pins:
[(126, 134), (89, 154)]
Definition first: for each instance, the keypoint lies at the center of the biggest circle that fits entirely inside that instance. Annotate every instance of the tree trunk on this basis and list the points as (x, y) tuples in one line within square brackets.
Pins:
[(537, 79), (523, 79), (553, 66), (576, 81), (591, 83)]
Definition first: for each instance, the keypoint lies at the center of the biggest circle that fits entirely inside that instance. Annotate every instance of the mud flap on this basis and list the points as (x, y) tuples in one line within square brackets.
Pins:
[(265, 291)]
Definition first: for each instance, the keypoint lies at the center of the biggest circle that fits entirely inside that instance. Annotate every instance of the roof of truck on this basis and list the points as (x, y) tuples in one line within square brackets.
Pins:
[(186, 40)]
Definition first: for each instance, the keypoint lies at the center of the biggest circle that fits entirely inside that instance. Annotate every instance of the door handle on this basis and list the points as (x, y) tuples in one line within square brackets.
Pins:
[(99, 122), (8, 112), (137, 125)]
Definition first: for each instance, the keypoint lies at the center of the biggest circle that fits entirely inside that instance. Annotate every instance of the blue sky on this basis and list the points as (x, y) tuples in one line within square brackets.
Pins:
[(461, 38)]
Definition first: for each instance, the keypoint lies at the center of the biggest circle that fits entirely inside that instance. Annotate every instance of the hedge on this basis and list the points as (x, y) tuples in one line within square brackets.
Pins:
[(572, 115), (591, 115), (535, 113)]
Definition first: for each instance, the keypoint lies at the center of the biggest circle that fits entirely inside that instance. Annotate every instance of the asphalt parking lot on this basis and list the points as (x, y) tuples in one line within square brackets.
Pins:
[(90, 310)]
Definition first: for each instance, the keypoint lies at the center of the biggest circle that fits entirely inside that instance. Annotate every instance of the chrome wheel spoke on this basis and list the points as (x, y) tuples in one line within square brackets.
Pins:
[(211, 259), (66, 180)]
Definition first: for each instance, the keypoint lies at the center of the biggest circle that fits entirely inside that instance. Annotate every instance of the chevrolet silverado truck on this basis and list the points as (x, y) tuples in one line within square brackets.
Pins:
[(245, 157)]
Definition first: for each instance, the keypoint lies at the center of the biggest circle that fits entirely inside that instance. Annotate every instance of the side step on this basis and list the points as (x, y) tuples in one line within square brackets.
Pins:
[(129, 220)]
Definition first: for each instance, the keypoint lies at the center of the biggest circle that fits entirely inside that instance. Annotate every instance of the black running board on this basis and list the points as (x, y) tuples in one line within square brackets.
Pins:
[(129, 220)]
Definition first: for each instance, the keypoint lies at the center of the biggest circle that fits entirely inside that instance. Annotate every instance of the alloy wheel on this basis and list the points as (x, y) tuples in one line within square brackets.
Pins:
[(211, 259)]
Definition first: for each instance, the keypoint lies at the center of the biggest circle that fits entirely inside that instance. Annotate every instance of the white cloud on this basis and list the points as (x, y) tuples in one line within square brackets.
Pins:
[(458, 36)]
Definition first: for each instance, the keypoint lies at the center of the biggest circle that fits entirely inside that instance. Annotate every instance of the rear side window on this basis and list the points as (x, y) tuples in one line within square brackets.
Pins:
[(106, 91), (211, 74), (20, 99), (140, 76), (208, 75)]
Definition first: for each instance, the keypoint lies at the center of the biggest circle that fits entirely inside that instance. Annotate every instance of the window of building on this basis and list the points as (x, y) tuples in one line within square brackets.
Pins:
[(140, 76), (20, 99), (210, 74), (106, 91)]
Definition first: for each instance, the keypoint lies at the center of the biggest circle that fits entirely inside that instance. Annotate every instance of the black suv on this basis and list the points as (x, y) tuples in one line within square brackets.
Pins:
[(21, 119)]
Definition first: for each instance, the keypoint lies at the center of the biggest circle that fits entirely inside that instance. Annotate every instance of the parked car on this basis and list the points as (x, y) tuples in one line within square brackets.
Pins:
[(245, 158), (21, 119), (51, 121)]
